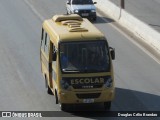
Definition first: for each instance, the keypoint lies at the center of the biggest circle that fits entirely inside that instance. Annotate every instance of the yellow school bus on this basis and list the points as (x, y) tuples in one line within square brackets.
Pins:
[(76, 61)]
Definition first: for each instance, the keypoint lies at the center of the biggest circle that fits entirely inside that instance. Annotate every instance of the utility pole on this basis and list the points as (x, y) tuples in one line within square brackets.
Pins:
[(122, 4)]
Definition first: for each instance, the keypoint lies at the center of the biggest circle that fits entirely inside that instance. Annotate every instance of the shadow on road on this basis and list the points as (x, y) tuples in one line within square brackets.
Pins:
[(125, 100), (101, 20), (131, 100)]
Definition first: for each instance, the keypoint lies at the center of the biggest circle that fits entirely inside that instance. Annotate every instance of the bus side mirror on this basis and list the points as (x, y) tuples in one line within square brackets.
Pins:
[(54, 57), (112, 52), (95, 3)]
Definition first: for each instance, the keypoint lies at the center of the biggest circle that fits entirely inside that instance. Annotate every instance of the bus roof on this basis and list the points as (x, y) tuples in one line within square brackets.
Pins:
[(71, 28)]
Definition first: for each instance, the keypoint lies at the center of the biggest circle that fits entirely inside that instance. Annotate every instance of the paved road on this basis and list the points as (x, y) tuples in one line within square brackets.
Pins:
[(22, 86), (145, 10)]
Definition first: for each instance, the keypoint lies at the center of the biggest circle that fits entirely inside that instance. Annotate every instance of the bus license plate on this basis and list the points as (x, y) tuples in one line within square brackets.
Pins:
[(88, 100)]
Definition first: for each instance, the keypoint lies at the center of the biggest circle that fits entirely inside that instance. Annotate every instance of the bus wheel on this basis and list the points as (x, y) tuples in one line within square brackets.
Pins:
[(49, 91), (107, 105), (63, 106)]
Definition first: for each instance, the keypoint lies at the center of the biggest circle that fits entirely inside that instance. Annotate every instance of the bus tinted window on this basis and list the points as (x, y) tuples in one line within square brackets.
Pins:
[(84, 56)]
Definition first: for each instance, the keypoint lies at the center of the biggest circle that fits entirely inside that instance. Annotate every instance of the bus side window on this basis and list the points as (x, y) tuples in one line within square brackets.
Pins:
[(46, 44), (54, 54), (42, 40), (42, 35)]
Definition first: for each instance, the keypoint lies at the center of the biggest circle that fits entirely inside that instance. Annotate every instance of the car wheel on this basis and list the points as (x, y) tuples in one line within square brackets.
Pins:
[(67, 12), (95, 18)]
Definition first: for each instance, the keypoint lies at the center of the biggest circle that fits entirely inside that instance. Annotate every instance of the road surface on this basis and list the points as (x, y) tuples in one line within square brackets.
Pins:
[(22, 87)]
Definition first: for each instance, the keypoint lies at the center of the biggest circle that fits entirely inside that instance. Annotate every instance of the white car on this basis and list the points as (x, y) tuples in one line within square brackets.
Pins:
[(84, 8)]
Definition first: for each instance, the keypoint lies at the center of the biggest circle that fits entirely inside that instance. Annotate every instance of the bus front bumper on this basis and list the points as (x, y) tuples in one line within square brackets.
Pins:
[(71, 97)]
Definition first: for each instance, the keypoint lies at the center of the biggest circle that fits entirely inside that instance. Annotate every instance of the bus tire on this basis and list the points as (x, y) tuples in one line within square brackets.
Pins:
[(63, 107), (107, 105), (49, 91)]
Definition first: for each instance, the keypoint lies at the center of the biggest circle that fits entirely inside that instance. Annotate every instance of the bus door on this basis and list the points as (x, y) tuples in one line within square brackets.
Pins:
[(45, 56)]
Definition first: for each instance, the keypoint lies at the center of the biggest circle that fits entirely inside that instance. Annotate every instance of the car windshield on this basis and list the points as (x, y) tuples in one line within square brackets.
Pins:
[(84, 57), (82, 2)]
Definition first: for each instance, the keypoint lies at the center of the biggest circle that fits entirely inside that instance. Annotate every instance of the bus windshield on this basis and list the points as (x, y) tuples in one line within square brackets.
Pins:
[(84, 57)]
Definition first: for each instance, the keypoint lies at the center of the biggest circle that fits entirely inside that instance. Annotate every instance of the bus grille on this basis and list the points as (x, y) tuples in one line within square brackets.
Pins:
[(85, 87), (88, 95)]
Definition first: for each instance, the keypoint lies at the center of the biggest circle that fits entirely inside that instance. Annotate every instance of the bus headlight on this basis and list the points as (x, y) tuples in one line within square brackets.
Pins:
[(108, 83), (64, 84)]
